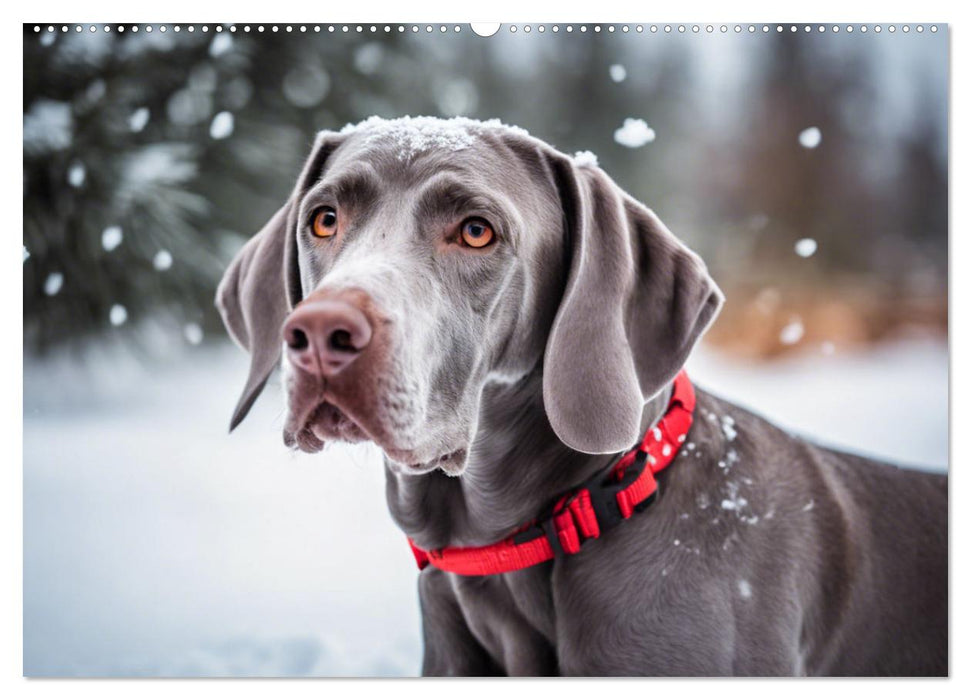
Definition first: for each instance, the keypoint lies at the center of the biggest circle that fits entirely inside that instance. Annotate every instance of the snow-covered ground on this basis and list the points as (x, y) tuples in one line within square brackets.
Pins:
[(155, 544)]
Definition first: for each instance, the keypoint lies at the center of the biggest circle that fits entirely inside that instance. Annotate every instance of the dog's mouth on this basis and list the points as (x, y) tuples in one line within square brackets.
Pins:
[(324, 423), (327, 422)]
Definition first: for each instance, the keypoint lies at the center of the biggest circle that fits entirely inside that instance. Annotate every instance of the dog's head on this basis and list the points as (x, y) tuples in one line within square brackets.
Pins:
[(418, 260)]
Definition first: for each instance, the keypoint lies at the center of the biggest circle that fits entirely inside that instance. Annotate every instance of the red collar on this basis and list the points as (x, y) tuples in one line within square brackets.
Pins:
[(585, 512)]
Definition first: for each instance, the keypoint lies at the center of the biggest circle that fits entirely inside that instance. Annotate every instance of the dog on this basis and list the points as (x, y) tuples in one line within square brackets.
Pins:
[(502, 320)]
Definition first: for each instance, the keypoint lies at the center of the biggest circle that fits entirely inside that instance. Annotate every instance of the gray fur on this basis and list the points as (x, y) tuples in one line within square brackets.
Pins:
[(496, 379)]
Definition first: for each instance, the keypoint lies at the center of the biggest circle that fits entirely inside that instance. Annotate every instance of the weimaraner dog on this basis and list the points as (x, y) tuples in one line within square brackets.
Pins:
[(503, 321)]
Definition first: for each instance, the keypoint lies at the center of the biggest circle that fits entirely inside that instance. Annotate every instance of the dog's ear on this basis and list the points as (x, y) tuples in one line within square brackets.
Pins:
[(262, 283), (636, 301)]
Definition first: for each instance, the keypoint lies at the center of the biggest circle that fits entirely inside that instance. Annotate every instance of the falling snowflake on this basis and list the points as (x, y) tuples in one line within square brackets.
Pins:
[(118, 315), (139, 118), (221, 43), (745, 589), (634, 133), (827, 348), (805, 247), (618, 73), (162, 260), (193, 333), (111, 238), (53, 283), (811, 137), (76, 174), (222, 125), (791, 333)]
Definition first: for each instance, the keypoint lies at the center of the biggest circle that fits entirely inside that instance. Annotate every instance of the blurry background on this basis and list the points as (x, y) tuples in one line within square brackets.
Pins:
[(809, 170)]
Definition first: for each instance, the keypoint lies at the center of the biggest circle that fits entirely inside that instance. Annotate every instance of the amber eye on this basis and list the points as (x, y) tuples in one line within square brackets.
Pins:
[(477, 233), (325, 223)]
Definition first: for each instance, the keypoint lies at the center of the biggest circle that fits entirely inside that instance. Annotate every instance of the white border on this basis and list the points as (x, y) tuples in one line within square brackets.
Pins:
[(828, 11)]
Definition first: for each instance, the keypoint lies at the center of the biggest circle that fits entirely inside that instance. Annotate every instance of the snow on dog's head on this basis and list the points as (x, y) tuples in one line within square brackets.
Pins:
[(415, 135)]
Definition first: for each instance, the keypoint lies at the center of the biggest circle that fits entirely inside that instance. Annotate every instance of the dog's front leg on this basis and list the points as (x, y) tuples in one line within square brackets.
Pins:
[(450, 647)]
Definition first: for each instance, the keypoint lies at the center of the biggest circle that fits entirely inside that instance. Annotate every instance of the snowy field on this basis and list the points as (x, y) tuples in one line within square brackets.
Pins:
[(155, 544)]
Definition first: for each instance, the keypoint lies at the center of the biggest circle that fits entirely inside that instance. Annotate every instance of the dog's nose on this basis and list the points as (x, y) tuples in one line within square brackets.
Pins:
[(325, 336)]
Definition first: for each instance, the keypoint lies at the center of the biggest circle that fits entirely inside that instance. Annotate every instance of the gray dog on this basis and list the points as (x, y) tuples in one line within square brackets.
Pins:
[(502, 320)]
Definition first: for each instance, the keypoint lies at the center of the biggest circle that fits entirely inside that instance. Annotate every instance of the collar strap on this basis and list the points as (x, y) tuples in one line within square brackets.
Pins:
[(584, 513)]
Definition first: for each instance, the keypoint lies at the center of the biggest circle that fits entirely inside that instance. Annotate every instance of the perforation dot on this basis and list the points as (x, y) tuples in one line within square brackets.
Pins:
[(934, 28)]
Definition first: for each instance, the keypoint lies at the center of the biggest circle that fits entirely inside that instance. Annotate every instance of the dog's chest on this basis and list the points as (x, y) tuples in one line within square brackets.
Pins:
[(511, 616)]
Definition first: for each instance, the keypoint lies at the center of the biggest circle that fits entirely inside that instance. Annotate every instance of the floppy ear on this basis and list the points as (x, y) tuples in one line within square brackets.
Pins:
[(254, 301), (636, 302), (262, 284)]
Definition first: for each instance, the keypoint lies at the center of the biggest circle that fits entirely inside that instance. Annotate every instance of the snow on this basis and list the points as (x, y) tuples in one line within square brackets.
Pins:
[(118, 315), (221, 43), (139, 118), (193, 333), (634, 133), (744, 589), (618, 73), (111, 238), (48, 126), (159, 164), (827, 347), (53, 283), (792, 332), (76, 174), (162, 260), (734, 501), (222, 125), (415, 135), (811, 137), (728, 428), (805, 247), (585, 159), (155, 543)]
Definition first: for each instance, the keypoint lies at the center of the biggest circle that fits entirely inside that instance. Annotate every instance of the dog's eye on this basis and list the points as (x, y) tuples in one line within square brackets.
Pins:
[(325, 223), (477, 233)]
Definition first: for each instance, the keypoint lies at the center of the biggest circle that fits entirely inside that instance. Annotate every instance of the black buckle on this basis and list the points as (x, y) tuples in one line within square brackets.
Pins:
[(603, 492), (603, 498)]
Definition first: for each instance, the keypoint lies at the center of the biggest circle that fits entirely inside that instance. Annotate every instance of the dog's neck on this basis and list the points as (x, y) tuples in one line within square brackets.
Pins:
[(517, 468)]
